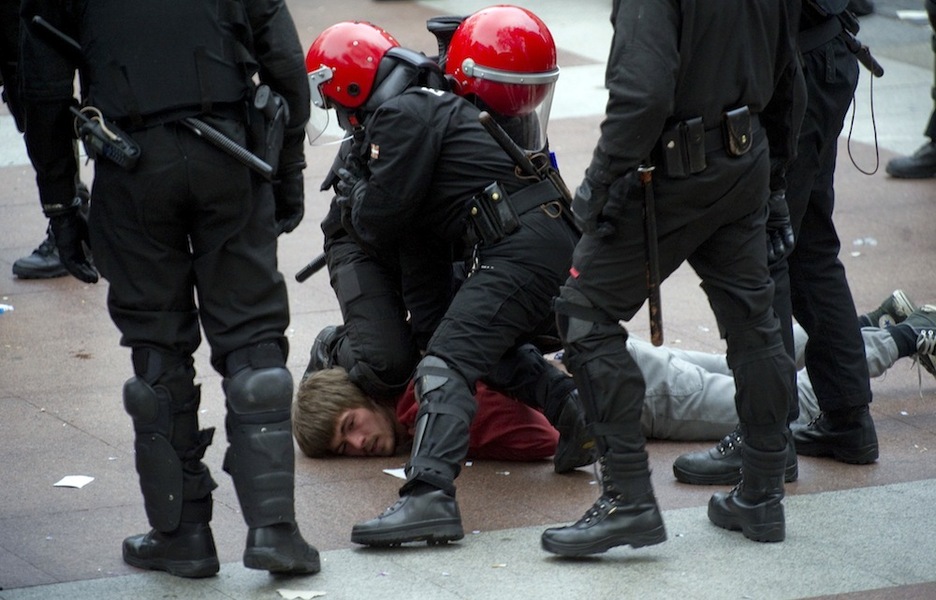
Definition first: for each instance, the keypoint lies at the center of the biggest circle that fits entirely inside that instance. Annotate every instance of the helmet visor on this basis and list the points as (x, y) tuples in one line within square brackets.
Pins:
[(318, 121), (521, 100)]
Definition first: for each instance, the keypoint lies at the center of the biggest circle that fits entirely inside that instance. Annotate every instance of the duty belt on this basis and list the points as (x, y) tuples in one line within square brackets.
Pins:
[(682, 148), (495, 213)]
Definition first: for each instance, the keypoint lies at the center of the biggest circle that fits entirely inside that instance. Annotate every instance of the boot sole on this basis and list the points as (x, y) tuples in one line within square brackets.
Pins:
[(853, 456), (40, 274), (194, 569), (275, 562), (774, 531), (649, 538), (433, 533), (790, 474)]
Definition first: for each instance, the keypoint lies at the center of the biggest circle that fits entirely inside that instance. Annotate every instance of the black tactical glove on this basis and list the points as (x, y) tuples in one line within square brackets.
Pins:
[(289, 186), (587, 206), (351, 189), (70, 228), (779, 229)]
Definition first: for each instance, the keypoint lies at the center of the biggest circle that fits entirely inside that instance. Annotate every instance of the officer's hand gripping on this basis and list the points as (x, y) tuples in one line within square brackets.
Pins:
[(70, 228), (289, 187), (351, 188), (587, 206), (779, 229)]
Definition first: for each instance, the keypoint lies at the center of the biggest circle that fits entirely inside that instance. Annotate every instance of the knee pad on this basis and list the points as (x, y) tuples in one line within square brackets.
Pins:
[(253, 392), (576, 316), (260, 456), (157, 462), (446, 409)]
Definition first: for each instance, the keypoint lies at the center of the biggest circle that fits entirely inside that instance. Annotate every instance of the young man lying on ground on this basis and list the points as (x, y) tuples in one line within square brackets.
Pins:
[(690, 397)]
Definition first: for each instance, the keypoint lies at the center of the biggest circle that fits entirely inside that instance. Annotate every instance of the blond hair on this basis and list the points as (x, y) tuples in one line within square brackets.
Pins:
[(321, 398)]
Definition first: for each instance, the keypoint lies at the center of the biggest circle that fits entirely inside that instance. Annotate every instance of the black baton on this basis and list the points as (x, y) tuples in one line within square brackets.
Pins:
[(312, 268)]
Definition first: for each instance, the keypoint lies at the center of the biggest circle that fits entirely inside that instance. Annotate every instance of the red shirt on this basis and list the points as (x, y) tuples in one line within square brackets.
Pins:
[(503, 428)]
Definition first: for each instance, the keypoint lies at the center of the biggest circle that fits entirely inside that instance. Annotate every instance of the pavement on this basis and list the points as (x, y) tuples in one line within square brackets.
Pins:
[(855, 532)]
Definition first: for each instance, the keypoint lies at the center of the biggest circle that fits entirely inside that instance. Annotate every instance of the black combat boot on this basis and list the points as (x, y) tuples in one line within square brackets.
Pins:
[(189, 551), (576, 448), (754, 506), (280, 548), (320, 356), (43, 263), (625, 514), (430, 515), (847, 435), (721, 465)]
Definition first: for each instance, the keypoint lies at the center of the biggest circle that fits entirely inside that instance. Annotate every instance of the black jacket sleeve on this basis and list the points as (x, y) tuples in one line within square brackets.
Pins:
[(48, 69)]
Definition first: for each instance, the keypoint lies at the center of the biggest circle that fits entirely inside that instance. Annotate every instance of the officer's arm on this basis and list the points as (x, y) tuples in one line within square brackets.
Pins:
[(48, 91), (402, 155)]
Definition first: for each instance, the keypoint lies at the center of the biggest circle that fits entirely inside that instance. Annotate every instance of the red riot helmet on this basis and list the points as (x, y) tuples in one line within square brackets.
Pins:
[(342, 65), (505, 57)]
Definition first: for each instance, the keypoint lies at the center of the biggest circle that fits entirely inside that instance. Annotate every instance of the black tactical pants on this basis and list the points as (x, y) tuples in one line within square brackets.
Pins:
[(811, 283)]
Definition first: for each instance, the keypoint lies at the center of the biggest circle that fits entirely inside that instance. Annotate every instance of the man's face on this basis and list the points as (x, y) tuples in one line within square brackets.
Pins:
[(363, 432)]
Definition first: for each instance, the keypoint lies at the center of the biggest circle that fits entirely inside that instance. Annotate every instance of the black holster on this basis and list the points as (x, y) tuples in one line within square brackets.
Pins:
[(682, 148), (269, 115)]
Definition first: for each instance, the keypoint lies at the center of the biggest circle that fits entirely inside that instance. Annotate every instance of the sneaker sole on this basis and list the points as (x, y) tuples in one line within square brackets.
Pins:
[(649, 538), (902, 304), (432, 533)]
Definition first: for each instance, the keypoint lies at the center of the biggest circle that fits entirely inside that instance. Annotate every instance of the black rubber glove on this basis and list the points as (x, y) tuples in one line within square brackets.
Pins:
[(587, 206), (70, 228), (779, 229)]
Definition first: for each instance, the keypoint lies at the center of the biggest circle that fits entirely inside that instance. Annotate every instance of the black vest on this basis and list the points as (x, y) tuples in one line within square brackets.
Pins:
[(151, 62)]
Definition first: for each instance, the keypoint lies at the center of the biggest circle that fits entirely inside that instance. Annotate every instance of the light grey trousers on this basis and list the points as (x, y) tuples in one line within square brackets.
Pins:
[(690, 395)]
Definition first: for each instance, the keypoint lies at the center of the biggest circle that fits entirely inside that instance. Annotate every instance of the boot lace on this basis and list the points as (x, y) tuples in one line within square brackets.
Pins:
[(729, 442), (47, 247), (923, 359), (602, 507)]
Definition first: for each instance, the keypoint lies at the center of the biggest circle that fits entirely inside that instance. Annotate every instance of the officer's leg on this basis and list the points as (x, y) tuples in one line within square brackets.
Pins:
[(611, 389), (375, 343), (163, 402), (261, 460), (525, 374), (765, 382), (427, 509)]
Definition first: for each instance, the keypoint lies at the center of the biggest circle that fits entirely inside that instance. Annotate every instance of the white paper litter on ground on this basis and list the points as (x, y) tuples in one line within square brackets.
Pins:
[(399, 473), (74, 481), (300, 594)]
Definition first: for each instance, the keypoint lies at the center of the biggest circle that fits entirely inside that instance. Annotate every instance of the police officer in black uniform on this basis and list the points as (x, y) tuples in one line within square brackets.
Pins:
[(392, 304), (43, 262), (427, 162), (187, 218), (701, 90), (809, 277)]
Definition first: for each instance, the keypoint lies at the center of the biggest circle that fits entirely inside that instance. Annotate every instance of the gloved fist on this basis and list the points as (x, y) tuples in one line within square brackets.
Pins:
[(351, 191), (348, 178), (70, 228), (289, 193), (779, 229), (587, 206)]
